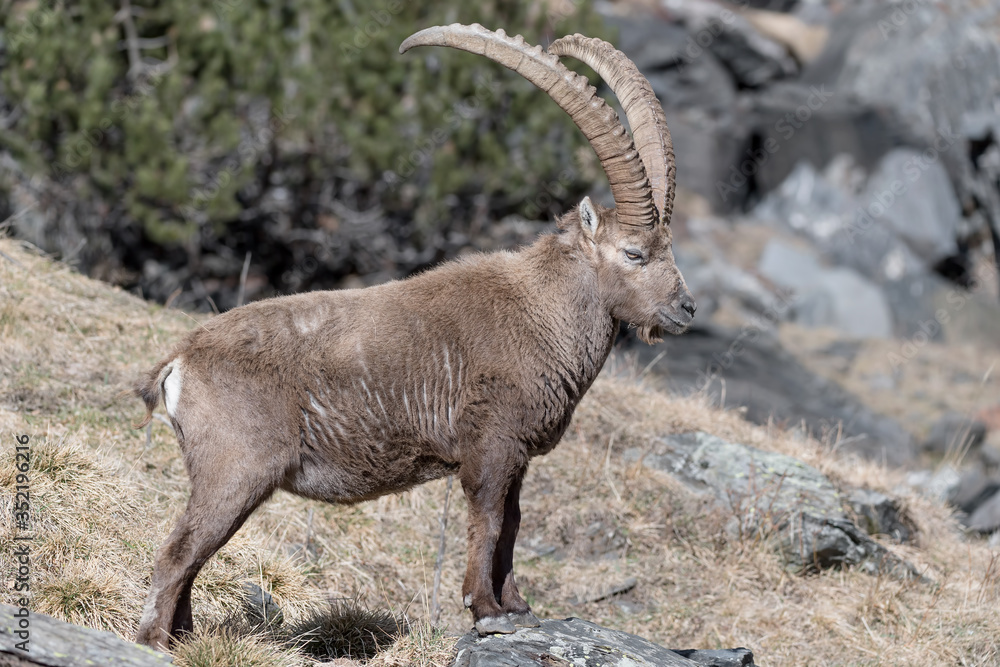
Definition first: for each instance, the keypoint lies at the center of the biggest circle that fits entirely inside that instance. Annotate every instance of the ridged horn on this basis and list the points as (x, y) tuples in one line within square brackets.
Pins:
[(643, 110), (598, 122)]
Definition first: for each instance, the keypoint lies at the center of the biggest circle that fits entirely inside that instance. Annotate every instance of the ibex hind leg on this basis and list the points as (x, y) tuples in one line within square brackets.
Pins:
[(222, 497), (504, 587)]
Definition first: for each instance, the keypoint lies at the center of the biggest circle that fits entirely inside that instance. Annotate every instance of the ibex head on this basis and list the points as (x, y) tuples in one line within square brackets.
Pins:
[(630, 245)]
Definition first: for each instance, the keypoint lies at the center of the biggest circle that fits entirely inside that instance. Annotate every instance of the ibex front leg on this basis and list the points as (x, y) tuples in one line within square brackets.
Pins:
[(486, 483), (504, 587)]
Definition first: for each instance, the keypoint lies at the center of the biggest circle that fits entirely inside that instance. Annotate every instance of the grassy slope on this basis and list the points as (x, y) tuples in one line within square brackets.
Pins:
[(103, 500)]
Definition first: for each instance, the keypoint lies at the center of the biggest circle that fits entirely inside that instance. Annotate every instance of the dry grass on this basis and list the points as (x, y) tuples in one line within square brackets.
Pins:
[(103, 500)]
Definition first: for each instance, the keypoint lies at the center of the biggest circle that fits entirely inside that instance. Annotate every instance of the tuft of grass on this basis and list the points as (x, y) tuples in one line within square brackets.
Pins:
[(346, 629), (85, 593), (224, 646)]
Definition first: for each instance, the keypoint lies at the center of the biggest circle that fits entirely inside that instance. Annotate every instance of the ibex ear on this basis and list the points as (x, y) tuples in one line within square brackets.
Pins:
[(588, 218)]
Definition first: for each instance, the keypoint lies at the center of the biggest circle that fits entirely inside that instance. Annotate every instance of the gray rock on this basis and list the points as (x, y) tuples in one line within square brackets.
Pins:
[(788, 266), (709, 149), (706, 119), (843, 232), (260, 607), (749, 368), (954, 432), (773, 496), (751, 58), (844, 300), (917, 200), (662, 51), (939, 484), (577, 642), (808, 203), (55, 643), (974, 488), (878, 514), (921, 75), (986, 518), (989, 454)]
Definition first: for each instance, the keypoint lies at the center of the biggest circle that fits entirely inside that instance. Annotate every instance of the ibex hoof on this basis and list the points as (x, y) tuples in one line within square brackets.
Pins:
[(524, 619), (495, 625)]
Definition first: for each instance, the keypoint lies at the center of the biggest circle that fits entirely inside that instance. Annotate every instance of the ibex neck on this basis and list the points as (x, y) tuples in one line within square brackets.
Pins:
[(571, 313)]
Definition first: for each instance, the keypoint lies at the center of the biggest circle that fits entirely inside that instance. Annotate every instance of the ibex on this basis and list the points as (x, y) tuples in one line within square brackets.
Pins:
[(471, 368)]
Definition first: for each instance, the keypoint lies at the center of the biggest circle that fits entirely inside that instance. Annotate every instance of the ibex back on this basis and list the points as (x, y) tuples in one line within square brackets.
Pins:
[(471, 368)]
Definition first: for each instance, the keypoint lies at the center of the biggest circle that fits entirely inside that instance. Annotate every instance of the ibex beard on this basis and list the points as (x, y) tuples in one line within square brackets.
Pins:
[(471, 368)]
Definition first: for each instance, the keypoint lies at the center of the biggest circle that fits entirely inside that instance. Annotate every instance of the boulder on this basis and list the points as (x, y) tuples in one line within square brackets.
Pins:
[(847, 301), (681, 75), (260, 607), (915, 198), (974, 488), (939, 484), (845, 230), (812, 205), (55, 643), (789, 266), (774, 496), (577, 642), (986, 518), (751, 58), (838, 298), (878, 514), (955, 433), (699, 96)]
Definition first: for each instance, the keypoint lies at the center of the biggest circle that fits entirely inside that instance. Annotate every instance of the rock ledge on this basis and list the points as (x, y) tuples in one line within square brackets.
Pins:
[(573, 641)]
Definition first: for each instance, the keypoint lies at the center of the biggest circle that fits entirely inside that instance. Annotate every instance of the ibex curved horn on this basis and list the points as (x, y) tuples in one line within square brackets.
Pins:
[(643, 110), (622, 163)]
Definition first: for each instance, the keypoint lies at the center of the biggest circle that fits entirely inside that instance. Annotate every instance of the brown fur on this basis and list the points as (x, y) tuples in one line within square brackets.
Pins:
[(472, 368)]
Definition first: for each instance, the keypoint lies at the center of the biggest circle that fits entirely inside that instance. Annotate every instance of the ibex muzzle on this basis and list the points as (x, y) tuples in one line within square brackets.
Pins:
[(472, 368)]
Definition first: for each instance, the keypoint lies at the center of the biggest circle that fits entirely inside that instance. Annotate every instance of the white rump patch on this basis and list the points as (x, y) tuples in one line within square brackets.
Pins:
[(172, 387)]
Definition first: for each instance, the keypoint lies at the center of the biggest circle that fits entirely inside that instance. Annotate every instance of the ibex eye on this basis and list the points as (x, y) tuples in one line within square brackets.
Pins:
[(633, 255)]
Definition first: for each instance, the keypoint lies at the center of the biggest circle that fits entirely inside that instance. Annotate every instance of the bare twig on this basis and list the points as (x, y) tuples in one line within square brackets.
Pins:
[(11, 259), (243, 281), (131, 40), (607, 469), (439, 562)]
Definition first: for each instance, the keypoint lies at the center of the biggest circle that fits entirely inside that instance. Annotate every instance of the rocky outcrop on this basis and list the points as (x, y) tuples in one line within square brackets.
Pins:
[(54, 643), (776, 497), (577, 642)]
